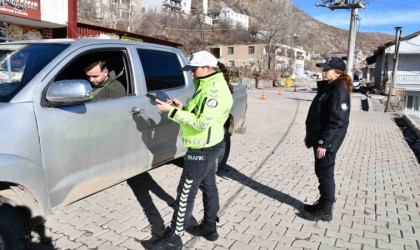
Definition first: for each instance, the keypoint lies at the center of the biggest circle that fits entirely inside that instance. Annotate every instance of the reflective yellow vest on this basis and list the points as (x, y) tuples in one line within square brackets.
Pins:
[(203, 118)]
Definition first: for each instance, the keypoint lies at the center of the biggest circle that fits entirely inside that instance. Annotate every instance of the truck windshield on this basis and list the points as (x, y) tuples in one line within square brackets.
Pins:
[(19, 63)]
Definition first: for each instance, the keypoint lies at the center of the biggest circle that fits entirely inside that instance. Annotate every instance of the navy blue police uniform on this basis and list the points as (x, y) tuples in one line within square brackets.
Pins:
[(326, 127)]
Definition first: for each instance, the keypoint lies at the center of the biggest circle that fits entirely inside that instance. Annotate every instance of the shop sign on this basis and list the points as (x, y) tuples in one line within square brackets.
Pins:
[(30, 9)]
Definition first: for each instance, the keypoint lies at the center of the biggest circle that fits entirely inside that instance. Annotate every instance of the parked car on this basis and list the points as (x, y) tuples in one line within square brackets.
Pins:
[(356, 82), (58, 145)]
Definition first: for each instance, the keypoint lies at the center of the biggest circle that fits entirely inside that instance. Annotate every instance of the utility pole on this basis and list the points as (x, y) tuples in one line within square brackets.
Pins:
[(398, 33), (203, 18), (354, 6), (352, 42)]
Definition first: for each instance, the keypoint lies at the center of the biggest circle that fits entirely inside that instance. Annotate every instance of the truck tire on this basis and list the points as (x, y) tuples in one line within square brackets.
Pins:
[(225, 155), (12, 231)]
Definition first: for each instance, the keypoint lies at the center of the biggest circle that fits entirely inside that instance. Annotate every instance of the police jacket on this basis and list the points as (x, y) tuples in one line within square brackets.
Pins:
[(202, 119), (328, 116)]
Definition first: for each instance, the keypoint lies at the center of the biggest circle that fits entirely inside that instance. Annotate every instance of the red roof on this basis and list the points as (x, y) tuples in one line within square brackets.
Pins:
[(89, 30)]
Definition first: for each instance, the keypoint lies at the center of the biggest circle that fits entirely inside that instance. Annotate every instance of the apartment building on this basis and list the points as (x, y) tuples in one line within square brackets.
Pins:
[(182, 6), (291, 59), (108, 9), (239, 55), (254, 56)]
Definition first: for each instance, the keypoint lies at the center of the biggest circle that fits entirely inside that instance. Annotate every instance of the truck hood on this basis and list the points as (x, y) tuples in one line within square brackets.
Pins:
[(18, 131)]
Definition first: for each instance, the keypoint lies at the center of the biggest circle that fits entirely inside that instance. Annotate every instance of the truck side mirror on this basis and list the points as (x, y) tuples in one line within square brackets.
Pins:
[(69, 92)]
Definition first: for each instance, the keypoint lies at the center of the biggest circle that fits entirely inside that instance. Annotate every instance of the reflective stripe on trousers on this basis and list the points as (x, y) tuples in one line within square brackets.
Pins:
[(199, 172)]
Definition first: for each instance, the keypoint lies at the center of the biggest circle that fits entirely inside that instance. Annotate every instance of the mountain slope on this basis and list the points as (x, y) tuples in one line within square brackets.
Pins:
[(313, 35)]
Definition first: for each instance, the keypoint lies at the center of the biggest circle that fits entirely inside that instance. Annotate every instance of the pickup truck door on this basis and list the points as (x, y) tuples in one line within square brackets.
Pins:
[(91, 146), (163, 78)]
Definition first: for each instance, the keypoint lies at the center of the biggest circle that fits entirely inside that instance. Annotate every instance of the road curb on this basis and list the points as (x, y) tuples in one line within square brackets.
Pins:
[(412, 124)]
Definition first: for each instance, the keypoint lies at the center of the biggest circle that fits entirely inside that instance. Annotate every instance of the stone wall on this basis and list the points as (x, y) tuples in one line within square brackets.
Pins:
[(252, 83)]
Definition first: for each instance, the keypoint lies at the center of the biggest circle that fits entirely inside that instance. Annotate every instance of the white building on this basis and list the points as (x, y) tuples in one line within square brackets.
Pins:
[(287, 57), (408, 70), (183, 6), (200, 8), (113, 9), (233, 18), (186, 6)]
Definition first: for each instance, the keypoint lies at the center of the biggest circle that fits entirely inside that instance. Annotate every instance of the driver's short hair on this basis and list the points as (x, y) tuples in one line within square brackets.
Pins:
[(93, 62)]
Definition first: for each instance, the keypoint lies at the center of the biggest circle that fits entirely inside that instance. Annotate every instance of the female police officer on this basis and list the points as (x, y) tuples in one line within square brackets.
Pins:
[(326, 127), (202, 121)]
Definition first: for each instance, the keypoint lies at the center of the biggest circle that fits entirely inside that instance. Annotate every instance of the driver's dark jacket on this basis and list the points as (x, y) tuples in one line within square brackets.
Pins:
[(328, 116)]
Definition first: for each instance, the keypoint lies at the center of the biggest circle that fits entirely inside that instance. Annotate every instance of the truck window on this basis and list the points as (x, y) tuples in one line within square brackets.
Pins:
[(161, 69), (19, 63), (115, 63)]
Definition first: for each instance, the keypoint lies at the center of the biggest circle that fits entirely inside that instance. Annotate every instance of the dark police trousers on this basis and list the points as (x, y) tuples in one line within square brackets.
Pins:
[(199, 173), (324, 170)]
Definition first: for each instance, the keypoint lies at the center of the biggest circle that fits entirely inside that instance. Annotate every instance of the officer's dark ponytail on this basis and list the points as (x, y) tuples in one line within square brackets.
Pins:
[(345, 79), (225, 72)]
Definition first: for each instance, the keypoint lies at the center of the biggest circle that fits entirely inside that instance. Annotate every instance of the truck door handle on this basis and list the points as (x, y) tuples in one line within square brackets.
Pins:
[(136, 111)]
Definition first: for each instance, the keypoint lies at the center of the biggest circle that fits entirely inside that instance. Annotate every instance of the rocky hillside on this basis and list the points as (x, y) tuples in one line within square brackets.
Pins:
[(313, 35)]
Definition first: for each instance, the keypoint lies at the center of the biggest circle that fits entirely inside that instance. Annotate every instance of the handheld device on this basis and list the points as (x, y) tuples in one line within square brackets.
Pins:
[(152, 97)]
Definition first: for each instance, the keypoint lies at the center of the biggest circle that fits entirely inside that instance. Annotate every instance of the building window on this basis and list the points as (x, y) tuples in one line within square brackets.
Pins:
[(251, 50), (230, 51), (231, 63), (412, 102)]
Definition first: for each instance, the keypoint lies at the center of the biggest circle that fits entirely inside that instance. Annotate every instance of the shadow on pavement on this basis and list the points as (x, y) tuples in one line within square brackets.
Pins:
[(410, 137), (232, 173), (41, 246), (143, 185), (365, 104), (42, 241)]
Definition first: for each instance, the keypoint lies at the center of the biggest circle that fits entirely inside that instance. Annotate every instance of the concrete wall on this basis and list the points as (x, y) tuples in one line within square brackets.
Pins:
[(54, 11)]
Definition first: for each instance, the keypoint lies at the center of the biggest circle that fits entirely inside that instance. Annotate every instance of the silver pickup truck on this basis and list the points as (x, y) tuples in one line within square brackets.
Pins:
[(58, 145)]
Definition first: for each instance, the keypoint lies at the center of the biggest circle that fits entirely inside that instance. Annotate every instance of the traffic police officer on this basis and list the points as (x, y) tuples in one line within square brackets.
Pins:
[(202, 122), (326, 127)]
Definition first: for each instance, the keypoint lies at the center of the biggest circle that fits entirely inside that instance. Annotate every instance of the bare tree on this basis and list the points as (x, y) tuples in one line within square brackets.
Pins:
[(277, 26), (123, 15)]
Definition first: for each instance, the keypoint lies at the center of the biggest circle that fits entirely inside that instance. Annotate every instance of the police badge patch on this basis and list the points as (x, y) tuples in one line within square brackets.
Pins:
[(212, 103), (344, 106)]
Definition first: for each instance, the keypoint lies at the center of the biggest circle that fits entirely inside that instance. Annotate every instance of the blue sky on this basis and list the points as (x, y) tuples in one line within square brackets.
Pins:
[(378, 16)]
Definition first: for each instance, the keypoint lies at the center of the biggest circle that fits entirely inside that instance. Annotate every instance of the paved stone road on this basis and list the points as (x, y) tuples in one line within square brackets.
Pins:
[(270, 176)]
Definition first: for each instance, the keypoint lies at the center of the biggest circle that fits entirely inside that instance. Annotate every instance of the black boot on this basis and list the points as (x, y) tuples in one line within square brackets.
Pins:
[(311, 208), (206, 230), (319, 212), (168, 241)]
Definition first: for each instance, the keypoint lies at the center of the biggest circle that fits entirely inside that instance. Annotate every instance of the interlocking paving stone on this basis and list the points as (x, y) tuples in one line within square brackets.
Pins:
[(323, 240), (270, 176)]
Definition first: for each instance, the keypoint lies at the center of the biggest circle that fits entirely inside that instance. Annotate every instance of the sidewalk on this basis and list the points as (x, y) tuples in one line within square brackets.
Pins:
[(412, 121)]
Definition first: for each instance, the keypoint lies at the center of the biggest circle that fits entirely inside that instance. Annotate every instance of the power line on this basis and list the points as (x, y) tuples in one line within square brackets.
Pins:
[(395, 3)]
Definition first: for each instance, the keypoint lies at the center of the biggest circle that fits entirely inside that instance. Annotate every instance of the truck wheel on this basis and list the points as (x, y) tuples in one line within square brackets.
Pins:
[(225, 155), (12, 232)]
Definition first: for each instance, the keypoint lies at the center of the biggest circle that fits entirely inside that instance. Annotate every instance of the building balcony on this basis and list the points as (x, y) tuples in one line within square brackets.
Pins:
[(172, 4)]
